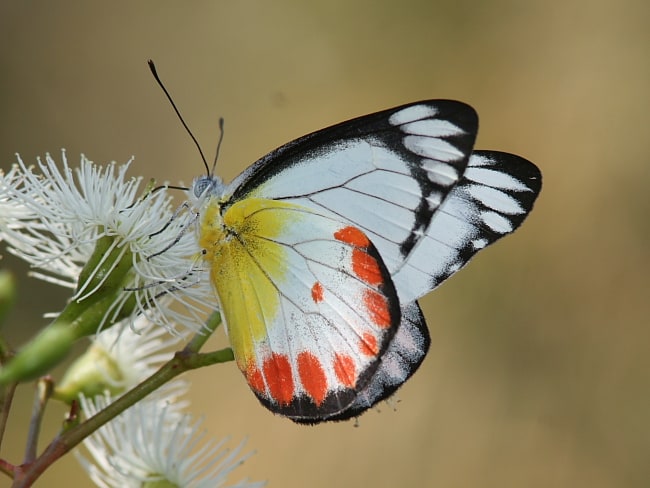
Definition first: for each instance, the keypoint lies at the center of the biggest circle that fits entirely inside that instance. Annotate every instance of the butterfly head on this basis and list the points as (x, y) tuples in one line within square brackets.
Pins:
[(208, 186)]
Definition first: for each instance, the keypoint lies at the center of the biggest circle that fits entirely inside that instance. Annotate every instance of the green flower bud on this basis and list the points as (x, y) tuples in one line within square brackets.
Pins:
[(7, 294), (91, 374)]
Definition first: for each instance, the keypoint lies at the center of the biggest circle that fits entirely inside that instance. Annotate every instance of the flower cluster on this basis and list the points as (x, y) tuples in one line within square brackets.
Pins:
[(136, 271), (55, 219)]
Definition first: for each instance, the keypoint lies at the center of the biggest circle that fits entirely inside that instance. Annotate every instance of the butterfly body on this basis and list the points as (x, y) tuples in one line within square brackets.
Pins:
[(319, 251)]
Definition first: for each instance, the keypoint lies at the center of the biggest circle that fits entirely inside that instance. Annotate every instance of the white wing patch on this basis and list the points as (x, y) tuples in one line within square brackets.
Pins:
[(413, 113)]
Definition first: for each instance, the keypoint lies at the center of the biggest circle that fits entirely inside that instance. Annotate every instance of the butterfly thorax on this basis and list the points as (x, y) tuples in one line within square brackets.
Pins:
[(208, 198)]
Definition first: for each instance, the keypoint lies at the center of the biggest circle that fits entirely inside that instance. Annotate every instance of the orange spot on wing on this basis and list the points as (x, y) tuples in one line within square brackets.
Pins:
[(345, 370), (312, 376), (368, 344), (279, 378), (366, 267), (377, 307), (317, 292), (353, 236)]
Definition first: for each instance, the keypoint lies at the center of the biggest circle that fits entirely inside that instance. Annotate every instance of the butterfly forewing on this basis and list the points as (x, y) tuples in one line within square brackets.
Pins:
[(384, 173), (492, 199)]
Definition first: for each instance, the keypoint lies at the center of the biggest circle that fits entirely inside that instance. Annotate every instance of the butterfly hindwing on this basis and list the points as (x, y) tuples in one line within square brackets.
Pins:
[(401, 360), (308, 304)]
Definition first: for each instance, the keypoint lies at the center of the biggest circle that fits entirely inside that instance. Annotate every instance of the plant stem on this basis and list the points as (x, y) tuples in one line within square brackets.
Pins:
[(43, 392), (182, 361), (6, 397), (6, 391)]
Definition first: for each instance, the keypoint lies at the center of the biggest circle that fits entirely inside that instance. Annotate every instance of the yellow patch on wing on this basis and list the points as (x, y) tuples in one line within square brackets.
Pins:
[(242, 255)]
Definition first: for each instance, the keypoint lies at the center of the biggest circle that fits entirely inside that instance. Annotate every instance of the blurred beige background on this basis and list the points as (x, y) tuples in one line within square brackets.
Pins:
[(539, 371)]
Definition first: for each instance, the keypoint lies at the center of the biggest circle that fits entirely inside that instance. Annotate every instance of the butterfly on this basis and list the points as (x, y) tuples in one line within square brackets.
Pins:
[(319, 251)]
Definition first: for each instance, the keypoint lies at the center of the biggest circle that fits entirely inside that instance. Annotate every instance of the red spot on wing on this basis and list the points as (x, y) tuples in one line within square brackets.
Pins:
[(353, 236), (255, 379), (377, 307), (368, 344), (317, 292), (345, 370), (312, 376), (366, 267), (279, 378)]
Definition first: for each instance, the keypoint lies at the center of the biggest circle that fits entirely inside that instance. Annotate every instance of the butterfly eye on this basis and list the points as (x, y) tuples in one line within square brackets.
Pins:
[(200, 185), (210, 184)]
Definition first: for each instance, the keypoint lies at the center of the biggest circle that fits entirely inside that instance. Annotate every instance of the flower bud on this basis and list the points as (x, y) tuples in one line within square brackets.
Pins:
[(91, 374)]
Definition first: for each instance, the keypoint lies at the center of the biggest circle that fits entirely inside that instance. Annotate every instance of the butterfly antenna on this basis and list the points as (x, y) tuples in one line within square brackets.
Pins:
[(152, 67), (216, 155)]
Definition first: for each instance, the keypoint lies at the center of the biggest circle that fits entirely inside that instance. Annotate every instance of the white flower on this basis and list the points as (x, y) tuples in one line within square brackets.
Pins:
[(154, 444), (11, 212), (54, 220), (137, 351)]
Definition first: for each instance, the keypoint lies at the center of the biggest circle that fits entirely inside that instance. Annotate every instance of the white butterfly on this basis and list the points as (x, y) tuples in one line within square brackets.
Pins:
[(319, 251)]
